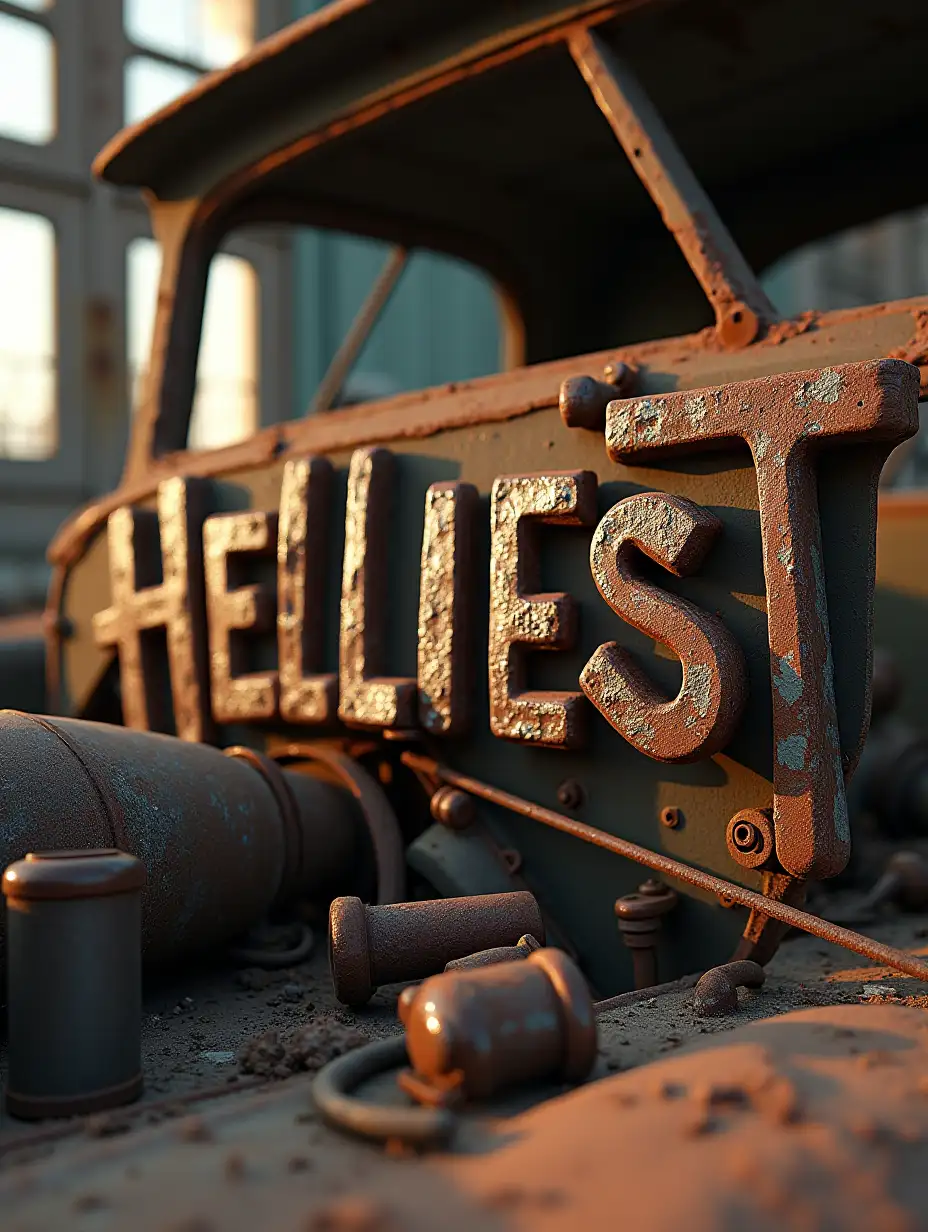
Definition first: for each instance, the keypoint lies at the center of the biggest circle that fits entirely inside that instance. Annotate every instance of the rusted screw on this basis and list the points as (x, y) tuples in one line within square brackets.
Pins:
[(583, 399), (639, 917), (512, 859), (737, 326), (622, 376), (750, 838), (452, 808), (716, 995), (501, 953), (570, 794), (370, 946), (746, 836), (498, 1026), (671, 817)]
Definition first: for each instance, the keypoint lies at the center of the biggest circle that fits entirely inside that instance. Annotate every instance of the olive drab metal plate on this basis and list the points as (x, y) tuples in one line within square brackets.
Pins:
[(672, 613)]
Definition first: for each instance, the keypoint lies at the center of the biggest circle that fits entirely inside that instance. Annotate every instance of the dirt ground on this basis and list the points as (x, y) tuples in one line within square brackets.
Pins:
[(204, 1032)]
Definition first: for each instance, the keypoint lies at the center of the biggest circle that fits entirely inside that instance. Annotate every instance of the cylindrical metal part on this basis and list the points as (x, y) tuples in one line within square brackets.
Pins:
[(452, 808), (74, 979), (501, 953), (502, 1025), (639, 916), (370, 946), (218, 842)]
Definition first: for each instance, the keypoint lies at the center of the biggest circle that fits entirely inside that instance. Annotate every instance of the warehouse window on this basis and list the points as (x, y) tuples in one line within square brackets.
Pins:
[(225, 408), (176, 41), (27, 78), (28, 327)]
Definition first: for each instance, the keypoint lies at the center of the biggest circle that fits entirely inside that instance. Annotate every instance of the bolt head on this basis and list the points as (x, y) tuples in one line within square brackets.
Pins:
[(452, 808), (746, 836), (570, 794), (671, 817)]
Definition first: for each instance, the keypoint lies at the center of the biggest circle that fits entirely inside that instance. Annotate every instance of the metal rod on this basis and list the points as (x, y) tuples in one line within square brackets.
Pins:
[(343, 360), (730, 284), (887, 955), (637, 995)]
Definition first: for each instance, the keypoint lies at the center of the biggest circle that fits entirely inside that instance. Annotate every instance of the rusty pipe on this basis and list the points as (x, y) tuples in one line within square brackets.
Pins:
[(222, 838)]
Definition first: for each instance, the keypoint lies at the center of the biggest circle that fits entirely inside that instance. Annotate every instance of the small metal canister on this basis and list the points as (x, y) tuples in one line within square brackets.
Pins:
[(497, 1026), (74, 978)]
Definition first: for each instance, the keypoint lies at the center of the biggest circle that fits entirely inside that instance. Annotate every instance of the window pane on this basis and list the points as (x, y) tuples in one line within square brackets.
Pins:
[(442, 322), (225, 408), (208, 32), (28, 367), (143, 264), (149, 84), (27, 81), (883, 260)]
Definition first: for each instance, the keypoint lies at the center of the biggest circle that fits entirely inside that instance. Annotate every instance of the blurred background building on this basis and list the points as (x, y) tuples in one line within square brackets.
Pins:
[(79, 267)]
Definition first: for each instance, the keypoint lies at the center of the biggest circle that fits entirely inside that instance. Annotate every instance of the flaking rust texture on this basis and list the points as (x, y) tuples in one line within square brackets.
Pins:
[(521, 619), (916, 350), (367, 698), (445, 603), (702, 717), (786, 420), (305, 696)]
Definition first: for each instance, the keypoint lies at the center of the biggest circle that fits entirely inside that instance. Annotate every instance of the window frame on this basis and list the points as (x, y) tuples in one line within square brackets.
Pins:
[(62, 158), (269, 257), (64, 470)]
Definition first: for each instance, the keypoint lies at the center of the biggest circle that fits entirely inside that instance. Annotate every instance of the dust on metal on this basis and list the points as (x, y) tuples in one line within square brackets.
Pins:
[(763, 905), (370, 946)]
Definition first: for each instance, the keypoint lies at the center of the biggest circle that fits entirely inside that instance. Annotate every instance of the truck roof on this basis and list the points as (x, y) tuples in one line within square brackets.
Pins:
[(466, 127)]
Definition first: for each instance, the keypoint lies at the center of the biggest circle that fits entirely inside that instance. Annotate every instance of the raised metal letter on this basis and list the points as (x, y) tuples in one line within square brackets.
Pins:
[(237, 697), (700, 720), (367, 699), (301, 562), (520, 620), (785, 420), (142, 605), (445, 604)]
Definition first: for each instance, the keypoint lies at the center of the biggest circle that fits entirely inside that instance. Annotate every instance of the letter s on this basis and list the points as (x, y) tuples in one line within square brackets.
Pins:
[(700, 720)]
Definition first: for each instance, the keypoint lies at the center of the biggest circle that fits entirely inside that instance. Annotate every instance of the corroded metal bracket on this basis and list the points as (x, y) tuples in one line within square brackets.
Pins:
[(740, 304)]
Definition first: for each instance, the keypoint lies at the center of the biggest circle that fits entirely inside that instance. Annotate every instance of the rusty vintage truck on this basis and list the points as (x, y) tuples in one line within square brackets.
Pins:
[(621, 598)]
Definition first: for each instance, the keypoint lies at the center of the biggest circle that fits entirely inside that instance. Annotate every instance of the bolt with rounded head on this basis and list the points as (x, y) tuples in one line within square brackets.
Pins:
[(452, 808)]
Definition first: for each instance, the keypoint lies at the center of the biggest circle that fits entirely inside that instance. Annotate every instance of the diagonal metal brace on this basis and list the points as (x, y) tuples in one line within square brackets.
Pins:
[(369, 313), (740, 304)]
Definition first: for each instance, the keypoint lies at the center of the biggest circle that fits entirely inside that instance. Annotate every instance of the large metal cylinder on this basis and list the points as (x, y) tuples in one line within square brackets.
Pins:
[(220, 838)]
